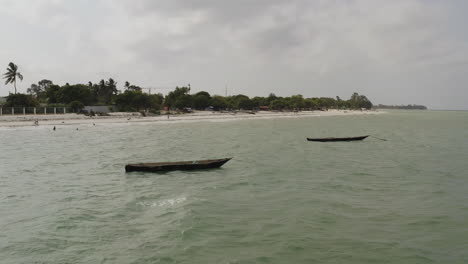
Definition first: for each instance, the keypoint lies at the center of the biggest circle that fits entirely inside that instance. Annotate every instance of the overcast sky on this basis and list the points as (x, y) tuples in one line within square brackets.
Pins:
[(395, 52)]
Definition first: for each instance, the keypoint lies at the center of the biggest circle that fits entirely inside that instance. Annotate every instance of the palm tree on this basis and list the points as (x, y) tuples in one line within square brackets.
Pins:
[(111, 86), (11, 74)]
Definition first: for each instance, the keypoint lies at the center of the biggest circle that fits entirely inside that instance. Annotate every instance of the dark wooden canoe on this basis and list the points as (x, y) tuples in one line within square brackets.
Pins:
[(332, 139), (181, 165)]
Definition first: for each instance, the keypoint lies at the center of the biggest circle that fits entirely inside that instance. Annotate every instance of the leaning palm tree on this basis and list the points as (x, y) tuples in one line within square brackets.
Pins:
[(11, 74)]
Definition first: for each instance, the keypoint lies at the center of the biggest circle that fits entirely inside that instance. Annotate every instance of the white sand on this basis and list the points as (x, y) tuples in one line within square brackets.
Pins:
[(116, 118)]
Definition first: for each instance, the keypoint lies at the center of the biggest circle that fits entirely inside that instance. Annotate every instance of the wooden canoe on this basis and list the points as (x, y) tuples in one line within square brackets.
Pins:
[(333, 139), (181, 165)]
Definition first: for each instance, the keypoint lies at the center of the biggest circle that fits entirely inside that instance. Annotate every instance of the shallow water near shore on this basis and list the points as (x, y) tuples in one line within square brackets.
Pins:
[(65, 197)]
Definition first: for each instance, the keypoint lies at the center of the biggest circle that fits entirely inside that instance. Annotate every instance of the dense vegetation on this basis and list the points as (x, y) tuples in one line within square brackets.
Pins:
[(133, 99), (105, 92), (181, 97), (405, 107), (76, 96)]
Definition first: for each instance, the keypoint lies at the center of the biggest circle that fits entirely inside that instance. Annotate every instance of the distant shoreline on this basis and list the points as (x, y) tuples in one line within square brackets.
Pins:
[(122, 118), (400, 107)]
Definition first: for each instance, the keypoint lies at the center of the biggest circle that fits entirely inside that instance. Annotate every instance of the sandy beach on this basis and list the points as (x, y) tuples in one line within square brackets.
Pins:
[(119, 118)]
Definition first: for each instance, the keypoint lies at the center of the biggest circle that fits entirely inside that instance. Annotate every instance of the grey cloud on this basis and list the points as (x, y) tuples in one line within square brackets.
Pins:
[(317, 48), (218, 10)]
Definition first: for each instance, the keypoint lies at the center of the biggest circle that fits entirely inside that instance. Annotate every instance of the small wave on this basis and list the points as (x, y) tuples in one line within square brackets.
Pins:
[(164, 203)]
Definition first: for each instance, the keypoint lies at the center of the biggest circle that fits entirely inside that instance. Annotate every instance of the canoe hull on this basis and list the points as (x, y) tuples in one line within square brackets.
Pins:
[(336, 139), (172, 166)]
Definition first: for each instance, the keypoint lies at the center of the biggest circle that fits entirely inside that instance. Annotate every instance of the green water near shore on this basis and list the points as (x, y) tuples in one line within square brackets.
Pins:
[(65, 198)]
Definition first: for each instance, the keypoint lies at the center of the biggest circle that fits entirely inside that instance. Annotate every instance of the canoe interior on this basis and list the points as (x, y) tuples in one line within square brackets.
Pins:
[(181, 165), (333, 139)]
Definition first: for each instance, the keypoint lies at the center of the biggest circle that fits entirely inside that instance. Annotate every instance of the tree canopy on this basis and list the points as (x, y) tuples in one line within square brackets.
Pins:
[(12, 74), (105, 92), (21, 100)]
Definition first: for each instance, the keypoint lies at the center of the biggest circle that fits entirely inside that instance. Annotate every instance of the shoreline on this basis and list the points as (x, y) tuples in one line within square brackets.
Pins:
[(123, 118)]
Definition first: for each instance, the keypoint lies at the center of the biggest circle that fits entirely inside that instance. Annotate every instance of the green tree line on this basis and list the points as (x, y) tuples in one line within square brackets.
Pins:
[(133, 99), (181, 97), (105, 92)]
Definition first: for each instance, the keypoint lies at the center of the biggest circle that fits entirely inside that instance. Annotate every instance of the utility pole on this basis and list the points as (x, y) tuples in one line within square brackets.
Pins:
[(149, 90)]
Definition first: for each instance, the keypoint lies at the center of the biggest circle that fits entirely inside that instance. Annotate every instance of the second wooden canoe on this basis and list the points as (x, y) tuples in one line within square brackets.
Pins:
[(333, 139)]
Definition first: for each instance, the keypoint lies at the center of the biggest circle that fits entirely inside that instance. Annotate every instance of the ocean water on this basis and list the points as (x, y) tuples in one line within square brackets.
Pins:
[(65, 197)]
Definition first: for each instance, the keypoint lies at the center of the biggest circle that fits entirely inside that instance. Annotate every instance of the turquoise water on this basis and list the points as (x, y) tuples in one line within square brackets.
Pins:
[(65, 198)]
